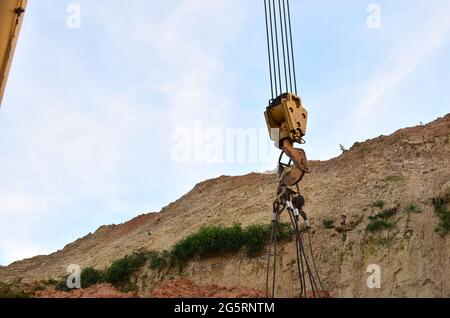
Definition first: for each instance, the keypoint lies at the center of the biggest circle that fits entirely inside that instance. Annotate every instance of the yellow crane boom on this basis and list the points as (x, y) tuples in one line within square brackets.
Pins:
[(11, 17)]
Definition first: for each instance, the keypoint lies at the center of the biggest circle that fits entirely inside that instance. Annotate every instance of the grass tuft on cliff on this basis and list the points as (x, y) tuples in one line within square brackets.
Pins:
[(328, 224), (380, 221), (90, 276), (120, 270), (441, 208), (216, 240), (158, 260), (10, 291)]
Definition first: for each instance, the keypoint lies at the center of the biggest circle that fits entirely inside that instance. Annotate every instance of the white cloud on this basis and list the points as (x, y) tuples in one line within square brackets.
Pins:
[(63, 148), (17, 249), (19, 213), (64, 152), (57, 154), (403, 61), (180, 54)]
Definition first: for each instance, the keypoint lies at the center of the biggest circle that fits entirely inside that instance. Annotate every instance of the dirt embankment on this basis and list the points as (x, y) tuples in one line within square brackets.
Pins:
[(182, 288), (404, 171), (175, 288), (97, 291)]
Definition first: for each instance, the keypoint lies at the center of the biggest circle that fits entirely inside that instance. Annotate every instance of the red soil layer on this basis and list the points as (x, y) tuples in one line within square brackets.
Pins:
[(181, 288), (176, 288), (97, 291)]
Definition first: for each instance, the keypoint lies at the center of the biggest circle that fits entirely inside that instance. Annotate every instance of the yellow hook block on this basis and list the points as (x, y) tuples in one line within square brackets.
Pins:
[(287, 108)]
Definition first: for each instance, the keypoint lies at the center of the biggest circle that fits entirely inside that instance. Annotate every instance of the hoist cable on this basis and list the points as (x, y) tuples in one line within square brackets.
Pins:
[(273, 49), (268, 260), (306, 270), (300, 269), (303, 262), (314, 262), (312, 281), (273, 242), (280, 51), (283, 46), (275, 258), (292, 47), (277, 44), (268, 49), (287, 45)]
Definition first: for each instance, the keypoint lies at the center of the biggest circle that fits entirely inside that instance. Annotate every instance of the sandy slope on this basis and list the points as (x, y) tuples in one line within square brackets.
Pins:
[(414, 258)]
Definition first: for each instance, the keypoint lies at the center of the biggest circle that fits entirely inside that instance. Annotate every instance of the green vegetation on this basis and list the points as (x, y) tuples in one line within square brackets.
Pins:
[(284, 232), (379, 225), (10, 291), (120, 271), (50, 281), (389, 179), (385, 214), (378, 204), (90, 276), (209, 241), (441, 207), (158, 260), (378, 222), (254, 239), (328, 224), (412, 208), (61, 284), (215, 240)]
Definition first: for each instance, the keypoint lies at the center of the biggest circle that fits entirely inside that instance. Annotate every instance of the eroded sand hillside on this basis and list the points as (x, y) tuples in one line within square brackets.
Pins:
[(404, 170)]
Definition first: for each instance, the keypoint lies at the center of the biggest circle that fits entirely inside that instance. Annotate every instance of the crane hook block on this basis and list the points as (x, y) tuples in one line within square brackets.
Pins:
[(286, 108)]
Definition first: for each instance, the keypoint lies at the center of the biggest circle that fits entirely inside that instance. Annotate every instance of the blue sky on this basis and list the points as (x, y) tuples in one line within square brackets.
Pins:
[(87, 121)]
